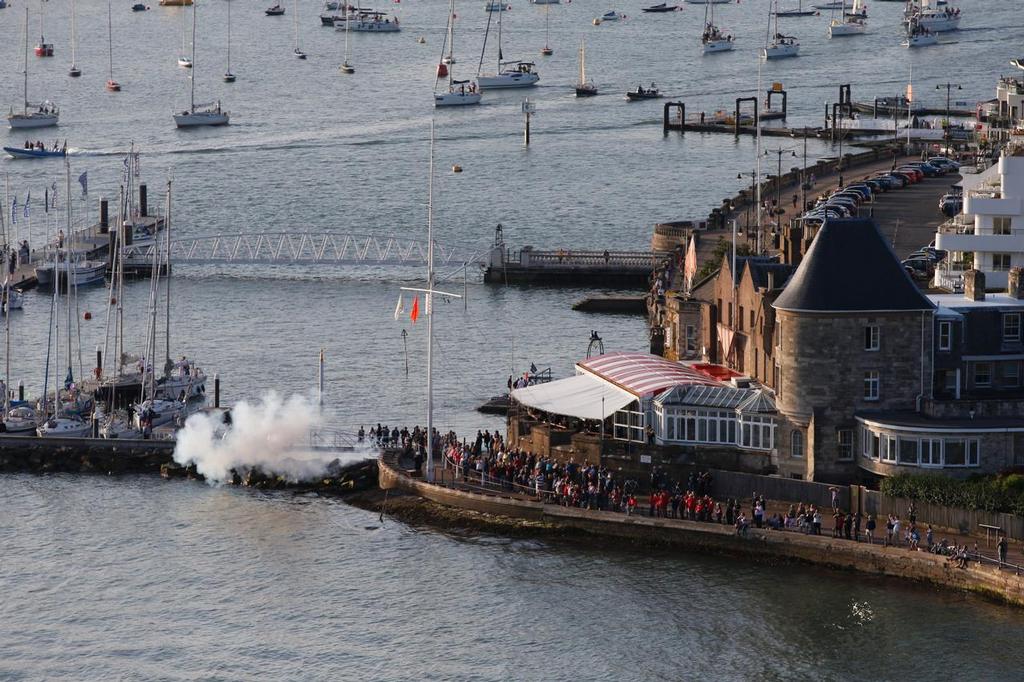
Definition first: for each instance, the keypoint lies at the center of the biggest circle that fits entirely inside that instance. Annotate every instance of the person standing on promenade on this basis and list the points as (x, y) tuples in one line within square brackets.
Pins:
[(1002, 546), (871, 529), (816, 521), (856, 526), (896, 531)]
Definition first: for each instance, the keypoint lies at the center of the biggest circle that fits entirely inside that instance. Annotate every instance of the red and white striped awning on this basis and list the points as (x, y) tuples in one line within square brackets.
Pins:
[(642, 374)]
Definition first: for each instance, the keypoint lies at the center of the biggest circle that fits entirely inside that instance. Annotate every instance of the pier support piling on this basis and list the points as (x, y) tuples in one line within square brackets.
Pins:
[(216, 390)]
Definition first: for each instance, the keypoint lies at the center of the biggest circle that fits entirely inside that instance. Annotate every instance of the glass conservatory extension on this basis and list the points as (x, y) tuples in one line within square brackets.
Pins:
[(715, 415)]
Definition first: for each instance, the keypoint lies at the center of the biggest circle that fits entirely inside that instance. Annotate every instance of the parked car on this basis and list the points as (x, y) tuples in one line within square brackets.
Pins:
[(929, 170), (910, 174), (951, 204), (950, 164), (889, 182), (916, 174), (861, 189), (877, 186), (920, 269)]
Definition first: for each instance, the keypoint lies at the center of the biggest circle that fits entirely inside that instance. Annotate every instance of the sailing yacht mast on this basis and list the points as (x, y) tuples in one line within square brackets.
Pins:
[(297, 52), (112, 85), (168, 365), (499, 43), (228, 76), (74, 71), (25, 70), (192, 74)]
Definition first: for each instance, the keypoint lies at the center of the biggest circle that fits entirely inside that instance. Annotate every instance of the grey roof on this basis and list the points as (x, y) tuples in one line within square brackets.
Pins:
[(721, 397), (850, 268)]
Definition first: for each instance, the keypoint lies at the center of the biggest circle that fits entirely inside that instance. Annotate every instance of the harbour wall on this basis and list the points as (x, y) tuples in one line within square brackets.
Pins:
[(762, 545)]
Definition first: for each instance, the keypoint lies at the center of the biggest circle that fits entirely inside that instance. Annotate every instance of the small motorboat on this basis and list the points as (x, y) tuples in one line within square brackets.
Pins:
[(139, 7), (36, 152), (587, 89), (643, 93), (654, 9), (21, 421), (1019, 62), (611, 15), (274, 11)]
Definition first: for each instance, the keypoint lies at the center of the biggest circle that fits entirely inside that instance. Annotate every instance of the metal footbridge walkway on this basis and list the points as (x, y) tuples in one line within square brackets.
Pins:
[(303, 248)]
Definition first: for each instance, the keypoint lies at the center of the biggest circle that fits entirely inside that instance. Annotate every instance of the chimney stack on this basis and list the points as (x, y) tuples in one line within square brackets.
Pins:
[(1013, 288), (771, 280), (974, 285)]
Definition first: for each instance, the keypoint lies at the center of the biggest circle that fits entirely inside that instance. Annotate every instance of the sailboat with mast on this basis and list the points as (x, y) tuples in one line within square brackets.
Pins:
[(66, 420), (112, 85), (74, 71), (43, 48), (205, 114), (713, 38), (184, 60), (584, 87), (32, 115), (229, 77), (346, 64), (854, 23), (798, 12), (777, 45), (546, 51), (509, 74), (460, 93), (297, 52)]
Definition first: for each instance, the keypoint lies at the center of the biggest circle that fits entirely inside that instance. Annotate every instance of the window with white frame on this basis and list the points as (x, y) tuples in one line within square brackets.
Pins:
[(844, 442), (973, 452), (1001, 224), (797, 443), (1011, 326), (693, 425), (887, 446), (757, 431), (630, 425), (871, 385), (872, 337), (1011, 375), (955, 453), (1000, 262), (945, 335), (931, 452), (908, 450), (865, 442), (983, 374)]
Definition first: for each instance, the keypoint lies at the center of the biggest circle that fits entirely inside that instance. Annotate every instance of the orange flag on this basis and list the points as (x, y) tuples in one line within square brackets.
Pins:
[(415, 309)]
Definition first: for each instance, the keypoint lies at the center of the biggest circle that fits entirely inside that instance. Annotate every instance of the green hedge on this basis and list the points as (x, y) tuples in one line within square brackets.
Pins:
[(1004, 493)]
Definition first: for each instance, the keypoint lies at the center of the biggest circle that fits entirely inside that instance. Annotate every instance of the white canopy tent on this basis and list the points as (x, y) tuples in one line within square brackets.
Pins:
[(582, 396)]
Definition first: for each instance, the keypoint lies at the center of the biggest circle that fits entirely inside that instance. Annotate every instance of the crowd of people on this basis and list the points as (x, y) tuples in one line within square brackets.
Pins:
[(488, 461)]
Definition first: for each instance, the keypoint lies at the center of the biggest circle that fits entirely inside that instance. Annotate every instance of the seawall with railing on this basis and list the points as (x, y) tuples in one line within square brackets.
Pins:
[(573, 266), (761, 545)]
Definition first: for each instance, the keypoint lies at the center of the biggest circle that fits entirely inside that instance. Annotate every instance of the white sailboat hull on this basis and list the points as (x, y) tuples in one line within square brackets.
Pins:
[(81, 273), (374, 27), (846, 28), (921, 41), (456, 99), (507, 80), (712, 46), (62, 427), (196, 119), (34, 120), (939, 23), (779, 51)]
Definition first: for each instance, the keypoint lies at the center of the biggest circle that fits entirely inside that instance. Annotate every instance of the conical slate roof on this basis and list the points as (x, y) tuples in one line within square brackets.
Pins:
[(850, 268)]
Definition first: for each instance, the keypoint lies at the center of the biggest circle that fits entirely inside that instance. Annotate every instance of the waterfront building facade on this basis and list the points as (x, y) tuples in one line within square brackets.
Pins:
[(989, 234)]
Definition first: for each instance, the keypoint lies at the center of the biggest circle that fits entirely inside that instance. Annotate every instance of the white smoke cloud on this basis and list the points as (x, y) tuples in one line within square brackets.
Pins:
[(272, 435)]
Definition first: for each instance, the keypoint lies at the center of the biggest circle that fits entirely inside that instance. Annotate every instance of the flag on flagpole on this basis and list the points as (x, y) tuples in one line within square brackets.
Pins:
[(14, 211), (28, 200), (53, 195), (690, 263), (83, 180), (415, 313), (400, 308), (46, 200)]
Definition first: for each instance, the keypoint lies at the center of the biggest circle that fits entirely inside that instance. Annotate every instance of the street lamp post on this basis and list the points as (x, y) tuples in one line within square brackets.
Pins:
[(753, 196), (803, 170), (949, 88), (778, 180)]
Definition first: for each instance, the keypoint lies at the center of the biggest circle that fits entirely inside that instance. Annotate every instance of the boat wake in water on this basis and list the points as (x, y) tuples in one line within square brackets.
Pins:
[(272, 435)]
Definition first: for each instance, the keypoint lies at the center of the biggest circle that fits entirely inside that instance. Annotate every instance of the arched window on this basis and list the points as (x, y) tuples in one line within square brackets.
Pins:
[(797, 443)]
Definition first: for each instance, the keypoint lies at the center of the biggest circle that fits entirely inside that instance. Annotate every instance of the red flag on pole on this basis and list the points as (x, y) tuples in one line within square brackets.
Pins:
[(415, 313)]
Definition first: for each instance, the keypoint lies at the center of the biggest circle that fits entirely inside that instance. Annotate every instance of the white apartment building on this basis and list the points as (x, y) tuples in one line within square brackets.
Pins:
[(989, 234)]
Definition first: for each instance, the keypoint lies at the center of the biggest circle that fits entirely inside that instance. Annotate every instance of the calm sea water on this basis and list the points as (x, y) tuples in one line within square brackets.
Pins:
[(229, 584)]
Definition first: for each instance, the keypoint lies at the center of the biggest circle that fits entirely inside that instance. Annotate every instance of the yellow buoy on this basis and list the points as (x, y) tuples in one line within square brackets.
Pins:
[(456, 168), (597, 22)]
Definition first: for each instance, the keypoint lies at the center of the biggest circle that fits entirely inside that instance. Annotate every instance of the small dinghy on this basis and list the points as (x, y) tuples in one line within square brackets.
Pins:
[(643, 93), (139, 7), (37, 152), (275, 11), (654, 9)]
